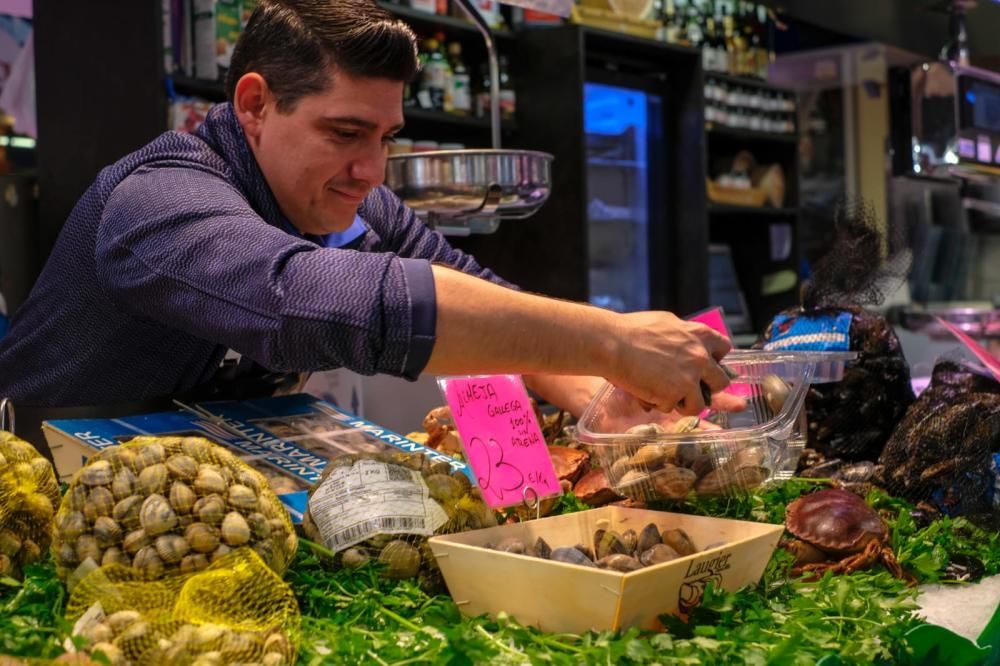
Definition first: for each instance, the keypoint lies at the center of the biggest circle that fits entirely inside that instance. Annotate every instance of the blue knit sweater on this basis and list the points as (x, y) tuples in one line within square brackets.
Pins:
[(178, 252)]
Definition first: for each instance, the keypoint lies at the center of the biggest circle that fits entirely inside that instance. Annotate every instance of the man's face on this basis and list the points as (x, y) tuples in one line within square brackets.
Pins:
[(323, 158)]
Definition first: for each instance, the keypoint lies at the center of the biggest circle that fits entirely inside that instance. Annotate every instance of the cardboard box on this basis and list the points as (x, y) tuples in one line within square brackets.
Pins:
[(289, 439), (560, 597)]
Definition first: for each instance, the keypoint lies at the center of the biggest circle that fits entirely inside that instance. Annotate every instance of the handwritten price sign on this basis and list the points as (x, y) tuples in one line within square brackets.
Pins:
[(503, 442)]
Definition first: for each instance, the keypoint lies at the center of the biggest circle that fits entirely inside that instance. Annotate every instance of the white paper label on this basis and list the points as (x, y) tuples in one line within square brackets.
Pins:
[(353, 504)]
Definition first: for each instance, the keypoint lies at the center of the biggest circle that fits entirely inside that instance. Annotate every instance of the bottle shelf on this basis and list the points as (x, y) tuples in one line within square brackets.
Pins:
[(440, 117), (751, 81), (419, 19), (752, 211), (755, 135)]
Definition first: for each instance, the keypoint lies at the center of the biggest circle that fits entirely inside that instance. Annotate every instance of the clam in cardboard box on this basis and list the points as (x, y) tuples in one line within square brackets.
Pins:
[(560, 597)]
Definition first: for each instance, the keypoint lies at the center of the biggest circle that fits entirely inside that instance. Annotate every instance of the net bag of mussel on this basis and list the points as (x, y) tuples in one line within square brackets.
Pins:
[(850, 420), (384, 505), (164, 505), (945, 453), (29, 494), (235, 611)]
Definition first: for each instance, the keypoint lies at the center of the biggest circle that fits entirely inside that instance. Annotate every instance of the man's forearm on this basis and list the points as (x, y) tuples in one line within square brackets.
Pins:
[(482, 327), (658, 358)]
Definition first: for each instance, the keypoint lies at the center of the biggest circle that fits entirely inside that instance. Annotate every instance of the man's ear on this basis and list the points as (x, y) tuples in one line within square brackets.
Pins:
[(252, 102)]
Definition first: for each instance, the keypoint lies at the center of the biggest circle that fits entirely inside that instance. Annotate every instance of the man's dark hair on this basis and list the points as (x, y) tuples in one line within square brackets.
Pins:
[(293, 43)]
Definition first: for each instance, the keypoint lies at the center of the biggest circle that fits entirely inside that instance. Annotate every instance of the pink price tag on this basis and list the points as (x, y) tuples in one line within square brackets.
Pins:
[(714, 319), (986, 358), (502, 440)]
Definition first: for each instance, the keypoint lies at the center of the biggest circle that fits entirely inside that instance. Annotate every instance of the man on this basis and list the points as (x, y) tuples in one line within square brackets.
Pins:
[(269, 233)]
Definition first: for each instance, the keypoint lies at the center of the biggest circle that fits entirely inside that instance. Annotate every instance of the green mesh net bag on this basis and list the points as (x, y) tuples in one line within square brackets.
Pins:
[(383, 505), (236, 611), (29, 494), (164, 505)]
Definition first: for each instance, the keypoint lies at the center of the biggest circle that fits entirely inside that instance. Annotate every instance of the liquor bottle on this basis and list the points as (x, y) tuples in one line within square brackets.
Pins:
[(461, 93), (508, 98), (692, 28), (671, 27), (429, 6), (437, 71), (732, 51), (708, 48), (421, 92), (769, 28)]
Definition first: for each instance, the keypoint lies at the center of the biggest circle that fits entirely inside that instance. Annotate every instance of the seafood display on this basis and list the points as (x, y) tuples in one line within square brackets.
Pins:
[(837, 531), (944, 450), (624, 552), (162, 505), (29, 494)]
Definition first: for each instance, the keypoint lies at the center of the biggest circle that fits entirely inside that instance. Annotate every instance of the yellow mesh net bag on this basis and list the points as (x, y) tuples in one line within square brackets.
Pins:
[(235, 611), (29, 494), (164, 505)]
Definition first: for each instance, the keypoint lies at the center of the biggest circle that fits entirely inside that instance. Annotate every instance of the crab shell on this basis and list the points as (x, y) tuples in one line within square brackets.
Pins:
[(836, 521)]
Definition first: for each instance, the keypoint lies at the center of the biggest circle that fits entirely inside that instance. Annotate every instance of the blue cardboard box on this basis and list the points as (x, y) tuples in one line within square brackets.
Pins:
[(289, 439)]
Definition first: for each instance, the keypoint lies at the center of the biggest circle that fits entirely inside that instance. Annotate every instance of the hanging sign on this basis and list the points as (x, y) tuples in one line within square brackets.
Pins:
[(502, 440)]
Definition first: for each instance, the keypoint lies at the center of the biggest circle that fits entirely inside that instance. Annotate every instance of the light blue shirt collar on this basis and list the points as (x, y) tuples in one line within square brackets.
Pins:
[(342, 238)]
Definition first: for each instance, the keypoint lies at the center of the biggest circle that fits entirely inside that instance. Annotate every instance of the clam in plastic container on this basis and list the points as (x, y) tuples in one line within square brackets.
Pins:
[(651, 455)]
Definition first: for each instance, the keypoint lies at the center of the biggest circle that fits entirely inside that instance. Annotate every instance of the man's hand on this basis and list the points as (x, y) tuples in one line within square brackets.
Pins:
[(663, 360)]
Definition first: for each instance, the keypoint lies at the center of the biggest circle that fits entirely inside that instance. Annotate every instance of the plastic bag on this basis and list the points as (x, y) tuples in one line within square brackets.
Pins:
[(29, 494), (384, 505), (168, 504), (235, 611)]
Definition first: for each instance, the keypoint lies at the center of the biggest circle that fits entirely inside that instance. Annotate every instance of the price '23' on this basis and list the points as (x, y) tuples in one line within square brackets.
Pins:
[(501, 476)]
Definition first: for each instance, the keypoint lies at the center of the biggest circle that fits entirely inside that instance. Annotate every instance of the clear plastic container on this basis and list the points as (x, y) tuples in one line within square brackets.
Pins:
[(651, 455)]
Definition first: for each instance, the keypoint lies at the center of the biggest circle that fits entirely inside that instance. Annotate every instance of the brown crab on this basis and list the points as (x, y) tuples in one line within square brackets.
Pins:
[(837, 531)]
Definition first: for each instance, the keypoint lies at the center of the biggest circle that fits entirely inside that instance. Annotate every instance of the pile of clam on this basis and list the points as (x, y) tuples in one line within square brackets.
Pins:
[(29, 494), (626, 551), (127, 637), (663, 470), (168, 504)]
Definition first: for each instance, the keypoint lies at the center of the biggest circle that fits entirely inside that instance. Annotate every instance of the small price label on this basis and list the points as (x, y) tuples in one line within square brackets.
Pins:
[(714, 319), (987, 359), (502, 440)]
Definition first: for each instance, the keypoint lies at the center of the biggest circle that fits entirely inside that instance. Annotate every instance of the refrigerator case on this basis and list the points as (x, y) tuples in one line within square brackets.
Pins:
[(624, 152)]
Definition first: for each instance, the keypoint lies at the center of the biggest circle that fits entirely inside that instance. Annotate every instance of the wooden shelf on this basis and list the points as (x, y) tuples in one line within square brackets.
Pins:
[(419, 19), (753, 211), (615, 41), (453, 119), (746, 81), (750, 135)]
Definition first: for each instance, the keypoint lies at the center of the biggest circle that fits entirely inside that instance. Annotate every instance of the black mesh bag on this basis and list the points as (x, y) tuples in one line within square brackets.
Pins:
[(946, 449), (852, 419)]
